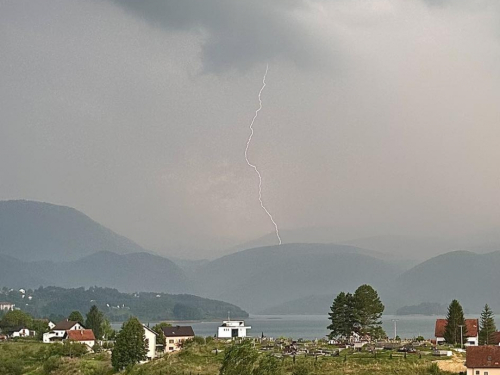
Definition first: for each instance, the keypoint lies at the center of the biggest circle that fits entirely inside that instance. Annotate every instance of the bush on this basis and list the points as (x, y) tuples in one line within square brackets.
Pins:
[(301, 368), (11, 366), (51, 364), (199, 340)]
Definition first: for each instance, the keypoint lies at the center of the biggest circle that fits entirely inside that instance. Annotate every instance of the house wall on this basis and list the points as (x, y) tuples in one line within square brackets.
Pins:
[(226, 332), (173, 343), (483, 371), (151, 340), (472, 341)]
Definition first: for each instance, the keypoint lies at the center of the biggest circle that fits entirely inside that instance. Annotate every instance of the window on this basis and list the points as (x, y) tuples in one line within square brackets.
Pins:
[(171, 348), (171, 341), (486, 373), (477, 372)]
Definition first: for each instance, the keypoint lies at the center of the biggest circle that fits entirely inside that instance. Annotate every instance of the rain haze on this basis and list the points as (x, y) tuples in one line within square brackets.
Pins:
[(379, 117)]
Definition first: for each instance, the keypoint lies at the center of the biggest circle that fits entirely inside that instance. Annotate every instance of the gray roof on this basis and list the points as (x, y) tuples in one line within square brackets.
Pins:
[(178, 331)]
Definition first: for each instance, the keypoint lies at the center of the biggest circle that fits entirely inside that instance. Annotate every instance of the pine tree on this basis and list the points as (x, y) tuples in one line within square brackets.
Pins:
[(95, 321), (341, 316), (130, 345), (487, 326), (454, 320), (368, 311)]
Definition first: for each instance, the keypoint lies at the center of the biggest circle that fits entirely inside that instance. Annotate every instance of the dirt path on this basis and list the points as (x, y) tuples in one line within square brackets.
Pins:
[(454, 364)]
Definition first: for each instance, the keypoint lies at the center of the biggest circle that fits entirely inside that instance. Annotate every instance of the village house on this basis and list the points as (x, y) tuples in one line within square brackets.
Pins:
[(483, 360), (470, 339), (7, 306), (83, 336), (59, 330), (232, 329), (21, 331), (150, 342), (175, 336)]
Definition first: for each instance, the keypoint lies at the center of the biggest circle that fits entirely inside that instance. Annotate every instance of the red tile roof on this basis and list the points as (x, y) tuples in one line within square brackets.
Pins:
[(496, 338), (472, 327), (483, 357), (80, 335)]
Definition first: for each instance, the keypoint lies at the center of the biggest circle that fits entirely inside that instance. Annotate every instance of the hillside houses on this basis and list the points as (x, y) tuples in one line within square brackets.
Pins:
[(83, 336), (7, 306), (59, 330)]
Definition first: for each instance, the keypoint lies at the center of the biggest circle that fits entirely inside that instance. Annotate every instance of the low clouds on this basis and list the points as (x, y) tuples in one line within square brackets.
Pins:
[(238, 34), (378, 116)]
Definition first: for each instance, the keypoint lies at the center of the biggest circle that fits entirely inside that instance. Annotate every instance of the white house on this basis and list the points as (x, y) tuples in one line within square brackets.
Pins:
[(150, 342), (174, 336), (6, 306), (471, 334), (59, 330), (22, 332), (483, 360), (83, 336), (232, 329)]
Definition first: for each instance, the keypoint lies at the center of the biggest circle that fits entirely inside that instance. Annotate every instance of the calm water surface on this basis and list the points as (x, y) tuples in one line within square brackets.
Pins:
[(314, 326)]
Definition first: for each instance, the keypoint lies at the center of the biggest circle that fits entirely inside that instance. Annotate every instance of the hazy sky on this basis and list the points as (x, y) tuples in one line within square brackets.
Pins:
[(378, 116)]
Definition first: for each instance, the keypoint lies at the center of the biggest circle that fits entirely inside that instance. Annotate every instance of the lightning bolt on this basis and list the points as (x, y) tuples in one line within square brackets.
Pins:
[(254, 166)]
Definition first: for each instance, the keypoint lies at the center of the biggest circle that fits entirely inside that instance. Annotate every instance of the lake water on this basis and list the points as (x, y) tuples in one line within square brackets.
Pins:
[(314, 326)]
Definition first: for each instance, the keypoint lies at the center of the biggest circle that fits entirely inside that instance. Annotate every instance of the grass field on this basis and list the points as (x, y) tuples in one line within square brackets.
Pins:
[(35, 358)]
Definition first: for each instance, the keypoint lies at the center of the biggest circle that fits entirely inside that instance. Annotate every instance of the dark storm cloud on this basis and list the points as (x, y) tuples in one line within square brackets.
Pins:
[(237, 34)]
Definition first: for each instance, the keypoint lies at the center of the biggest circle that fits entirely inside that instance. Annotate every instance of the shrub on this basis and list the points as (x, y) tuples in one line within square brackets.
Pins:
[(11, 366), (51, 364)]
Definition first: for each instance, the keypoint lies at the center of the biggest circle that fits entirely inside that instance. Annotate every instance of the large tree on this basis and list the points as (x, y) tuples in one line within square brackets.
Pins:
[(455, 328), (15, 318), (487, 326), (95, 321), (158, 328), (368, 311), (130, 345), (76, 316), (341, 316)]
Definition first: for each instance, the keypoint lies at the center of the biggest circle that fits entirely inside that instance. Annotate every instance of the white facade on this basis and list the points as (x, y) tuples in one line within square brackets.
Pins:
[(58, 334), (150, 342), (24, 332), (232, 329), (6, 306)]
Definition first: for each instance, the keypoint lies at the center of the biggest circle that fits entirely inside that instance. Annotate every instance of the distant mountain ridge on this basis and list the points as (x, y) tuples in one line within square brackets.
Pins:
[(35, 231), (137, 272)]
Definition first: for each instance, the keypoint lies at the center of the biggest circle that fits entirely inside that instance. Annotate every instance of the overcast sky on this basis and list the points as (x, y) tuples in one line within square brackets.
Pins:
[(379, 117)]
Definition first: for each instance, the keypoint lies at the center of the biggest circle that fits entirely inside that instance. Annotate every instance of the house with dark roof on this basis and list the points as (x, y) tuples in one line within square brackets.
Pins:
[(483, 360), (471, 338), (21, 331), (57, 333), (83, 336), (175, 336)]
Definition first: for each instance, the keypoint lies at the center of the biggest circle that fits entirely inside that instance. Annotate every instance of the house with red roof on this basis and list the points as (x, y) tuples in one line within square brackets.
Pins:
[(83, 336), (59, 330), (483, 360), (471, 338)]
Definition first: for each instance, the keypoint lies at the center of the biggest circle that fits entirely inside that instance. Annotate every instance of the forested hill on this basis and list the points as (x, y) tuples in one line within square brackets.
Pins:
[(41, 231), (60, 302)]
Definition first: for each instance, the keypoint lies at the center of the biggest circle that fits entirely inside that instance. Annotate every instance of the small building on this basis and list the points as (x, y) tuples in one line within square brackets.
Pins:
[(471, 334), (59, 330), (483, 360), (7, 306), (174, 336), (150, 342), (21, 331), (83, 336), (232, 329)]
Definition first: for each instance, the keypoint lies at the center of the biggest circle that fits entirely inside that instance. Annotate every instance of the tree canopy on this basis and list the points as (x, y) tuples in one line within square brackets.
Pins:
[(453, 334), (359, 312), (487, 326), (15, 318), (76, 316), (130, 345), (95, 321)]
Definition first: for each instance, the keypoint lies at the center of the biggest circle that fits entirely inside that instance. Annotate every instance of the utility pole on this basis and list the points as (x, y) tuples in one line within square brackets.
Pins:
[(395, 327), (461, 336)]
